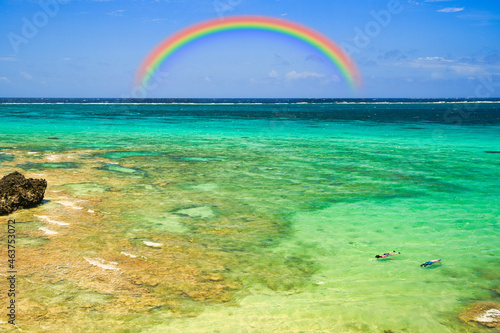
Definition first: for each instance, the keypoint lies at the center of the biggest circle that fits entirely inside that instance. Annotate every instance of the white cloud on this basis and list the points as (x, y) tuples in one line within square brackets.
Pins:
[(118, 12), (428, 62), (417, 3), (334, 78), (481, 17), (451, 10), (434, 59), (8, 59), (4, 79), (466, 70), (273, 74), (293, 75), (208, 79), (440, 68), (437, 76), (27, 76)]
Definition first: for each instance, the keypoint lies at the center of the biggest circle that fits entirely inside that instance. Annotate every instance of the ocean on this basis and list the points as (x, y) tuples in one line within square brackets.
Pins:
[(253, 215)]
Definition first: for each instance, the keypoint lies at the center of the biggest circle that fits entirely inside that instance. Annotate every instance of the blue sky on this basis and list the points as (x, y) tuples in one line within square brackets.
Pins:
[(407, 48)]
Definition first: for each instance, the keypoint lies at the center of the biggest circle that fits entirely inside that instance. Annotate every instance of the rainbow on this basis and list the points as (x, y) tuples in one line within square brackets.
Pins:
[(326, 46)]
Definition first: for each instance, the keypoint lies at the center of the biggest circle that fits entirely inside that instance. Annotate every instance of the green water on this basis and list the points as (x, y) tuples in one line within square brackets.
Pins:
[(231, 225)]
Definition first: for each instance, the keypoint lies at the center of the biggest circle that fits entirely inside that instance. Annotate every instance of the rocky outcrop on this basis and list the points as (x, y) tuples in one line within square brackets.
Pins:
[(485, 313), (17, 192)]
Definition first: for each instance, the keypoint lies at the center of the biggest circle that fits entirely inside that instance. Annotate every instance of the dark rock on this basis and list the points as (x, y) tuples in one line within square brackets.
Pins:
[(17, 192)]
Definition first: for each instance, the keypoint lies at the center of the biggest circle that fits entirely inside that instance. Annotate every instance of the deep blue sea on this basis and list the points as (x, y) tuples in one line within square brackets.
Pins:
[(255, 215)]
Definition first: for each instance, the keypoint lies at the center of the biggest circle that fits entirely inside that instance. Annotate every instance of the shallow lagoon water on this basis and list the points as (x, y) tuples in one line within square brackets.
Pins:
[(196, 218)]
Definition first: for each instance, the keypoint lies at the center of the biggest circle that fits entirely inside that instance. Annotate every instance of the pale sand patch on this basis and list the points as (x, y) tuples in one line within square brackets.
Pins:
[(46, 218), (152, 244), (48, 231), (39, 175), (56, 157), (53, 158), (102, 263)]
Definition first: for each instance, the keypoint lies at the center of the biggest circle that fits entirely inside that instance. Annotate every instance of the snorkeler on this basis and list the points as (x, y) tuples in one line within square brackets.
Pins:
[(428, 263), (385, 255)]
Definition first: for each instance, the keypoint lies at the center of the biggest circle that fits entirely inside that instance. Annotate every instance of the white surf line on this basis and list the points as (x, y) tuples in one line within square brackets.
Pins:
[(128, 254), (72, 205), (46, 218), (69, 204), (102, 263), (48, 231), (152, 244)]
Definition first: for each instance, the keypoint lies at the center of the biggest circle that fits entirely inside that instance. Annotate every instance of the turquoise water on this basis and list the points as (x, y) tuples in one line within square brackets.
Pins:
[(256, 217)]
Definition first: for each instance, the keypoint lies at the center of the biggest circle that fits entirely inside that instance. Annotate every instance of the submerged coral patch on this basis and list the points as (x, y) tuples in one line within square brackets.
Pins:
[(196, 211), (78, 189), (208, 187), (123, 170), (484, 313), (196, 159), (125, 154), (30, 166), (27, 241), (4, 157), (161, 223)]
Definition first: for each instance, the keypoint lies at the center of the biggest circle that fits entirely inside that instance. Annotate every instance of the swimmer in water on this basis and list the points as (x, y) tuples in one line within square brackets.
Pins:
[(428, 263), (386, 255)]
